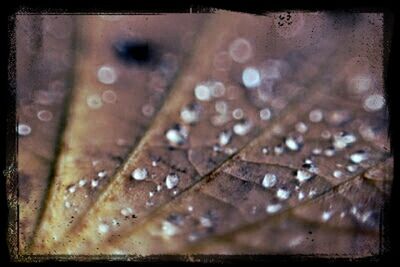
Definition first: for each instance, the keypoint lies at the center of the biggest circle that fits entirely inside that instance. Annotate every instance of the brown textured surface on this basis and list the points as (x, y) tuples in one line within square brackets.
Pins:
[(222, 183)]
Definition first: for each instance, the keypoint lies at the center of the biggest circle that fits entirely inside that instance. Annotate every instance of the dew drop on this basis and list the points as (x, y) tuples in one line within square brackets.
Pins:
[(343, 139), (351, 168), (109, 96), (171, 181), (106, 75), (94, 101), (202, 92), (221, 107), (301, 195), (103, 228), (302, 175), (269, 180), (358, 157), (67, 204), (205, 222), (237, 114), (176, 135), (71, 189), (240, 50), (224, 138), (94, 183), (139, 174), (23, 129), (148, 110), (326, 215), (301, 127), (265, 150), (126, 212), (190, 114), (374, 102), (278, 149), (251, 77), (102, 174), (329, 152), (265, 114), (217, 89), (242, 128), (283, 194), (82, 182), (169, 229), (44, 115), (337, 174), (292, 144), (316, 115), (273, 208)]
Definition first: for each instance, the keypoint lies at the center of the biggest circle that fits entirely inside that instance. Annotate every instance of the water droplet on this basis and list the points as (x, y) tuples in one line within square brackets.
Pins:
[(101, 174), (67, 204), (171, 181), (176, 135), (71, 189), (94, 183), (190, 114), (292, 144), (23, 129), (265, 150), (109, 96), (169, 229), (159, 187), (329, 152), (126, 212), (302, 175), (278, 149), (351, 168), (106, 75), (326, 215), (283, 194), (224, 138), (139, 174), (326, 134), (45, 115), (190, 208), (94, 101), (237, 114), (242, 128), (301, 195), (265, 114), (317, 151), (301, 127), (316, 115), (202, 92), (374, 102), (240, 50), (217, 89), (273, 208), (269, 180), (337, 174), (343, 139), (148, 110), (82, 182), (251, 77), (221, 107), (205, 222), (358, 156), (103, 228)]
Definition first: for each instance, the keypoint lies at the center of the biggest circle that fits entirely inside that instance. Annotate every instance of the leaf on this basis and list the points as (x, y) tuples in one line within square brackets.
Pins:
[(108, 115), (43, 58), (89, 237)]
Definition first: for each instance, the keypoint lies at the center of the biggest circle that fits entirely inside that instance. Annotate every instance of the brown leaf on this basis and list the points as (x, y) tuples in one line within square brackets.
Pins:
[(112, 106)]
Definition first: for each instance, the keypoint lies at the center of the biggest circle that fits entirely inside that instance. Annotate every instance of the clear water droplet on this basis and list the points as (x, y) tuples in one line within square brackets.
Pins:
[(202, 92), (24, 129), (44, 115), (237, 114), (171, 180), (242, 128), (224, 138), (374, 102), (221, 107), (176, 135), (94, 101), (169, 229), (139, 174), (302, 175), (101, 174), (343, 140), (106, 75), (337, 174), (109, 96), (265, 150), (316, 115), (279, 149), (265, 114), (358, 156), (273, 208), (283, 194), (292, 144), (103, 228), (269, 180), (352, 168), (240, 50), (301, 127), (126, 211), (94, 183), (326, 215), (251, 77), (190, 114), (82, 182)]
